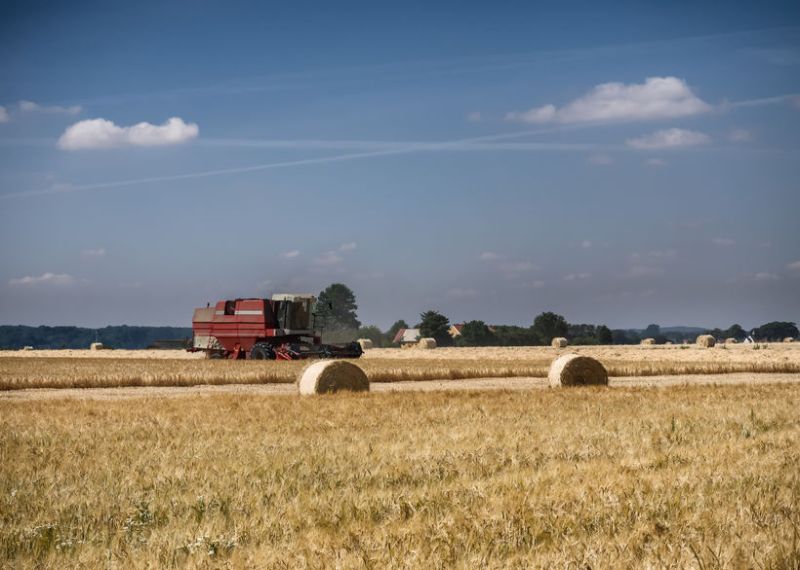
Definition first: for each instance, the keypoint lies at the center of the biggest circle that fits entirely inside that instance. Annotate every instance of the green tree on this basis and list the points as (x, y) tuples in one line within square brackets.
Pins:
[(776, 330), (392, 332), (373, 333), (435, 325), (736, 331), (476, 333), (337, 304), (604, 335), (549, 325), (652, 331)]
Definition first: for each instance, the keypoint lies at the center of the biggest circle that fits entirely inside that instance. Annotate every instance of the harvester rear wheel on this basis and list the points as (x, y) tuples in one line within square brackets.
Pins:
[(262, 351)]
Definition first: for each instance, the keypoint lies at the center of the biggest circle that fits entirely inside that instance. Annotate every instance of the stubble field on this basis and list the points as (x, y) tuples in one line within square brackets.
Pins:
[(681, 476), (117, 368)]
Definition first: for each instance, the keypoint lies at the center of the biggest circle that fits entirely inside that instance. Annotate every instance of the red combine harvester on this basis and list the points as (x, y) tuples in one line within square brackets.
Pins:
[(280, 328)]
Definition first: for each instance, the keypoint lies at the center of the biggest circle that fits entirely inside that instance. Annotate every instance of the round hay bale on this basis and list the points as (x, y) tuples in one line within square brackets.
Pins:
[(364, 343), (731, 340), (329, 376), (706, 341), (648, 341), (668, 343), (558, 342), (426, 343), (96, 346), (788, 339), (577, 370)]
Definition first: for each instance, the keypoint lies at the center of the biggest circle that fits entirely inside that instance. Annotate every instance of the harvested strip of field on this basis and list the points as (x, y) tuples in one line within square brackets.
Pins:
[(603, 478), (22, 373), (473, 384)]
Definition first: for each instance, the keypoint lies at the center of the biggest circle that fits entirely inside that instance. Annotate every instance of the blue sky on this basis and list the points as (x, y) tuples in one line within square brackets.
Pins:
[(622, 163)]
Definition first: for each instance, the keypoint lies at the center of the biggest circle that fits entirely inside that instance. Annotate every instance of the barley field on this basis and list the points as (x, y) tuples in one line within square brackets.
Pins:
[(690, 477), (118, 368)]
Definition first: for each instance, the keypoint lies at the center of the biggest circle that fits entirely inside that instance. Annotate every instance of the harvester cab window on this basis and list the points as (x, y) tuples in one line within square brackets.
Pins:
[(230, 307)]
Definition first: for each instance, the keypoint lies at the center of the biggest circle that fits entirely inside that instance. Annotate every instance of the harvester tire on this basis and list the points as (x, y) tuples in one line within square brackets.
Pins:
[(262, 351)]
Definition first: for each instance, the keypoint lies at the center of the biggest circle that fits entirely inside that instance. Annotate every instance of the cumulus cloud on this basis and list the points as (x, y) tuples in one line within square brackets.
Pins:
[(600, 159), (290, 254), (31, 107), (328, 259), (3, 114), (669, 138), (739, 135), (101, 133), (461, 294), (577, 276), (99, 252), (765, 276), (350, 246), (59, 279), (656, 98)]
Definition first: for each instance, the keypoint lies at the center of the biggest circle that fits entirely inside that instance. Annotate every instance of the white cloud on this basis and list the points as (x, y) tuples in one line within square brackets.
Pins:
[(3, 115), (31, 107), (669, 138), (474, 117), (601, 159), (290, 254), (59, 279), (764, 276), (461, 294), (100, 133), (793, 266), (577, 276), (655, 162), (488, 256), (518, 267), (656, 98), (328, 259), (350, 246), (586, 243), (723, 242), (739, 135), (99, 252)]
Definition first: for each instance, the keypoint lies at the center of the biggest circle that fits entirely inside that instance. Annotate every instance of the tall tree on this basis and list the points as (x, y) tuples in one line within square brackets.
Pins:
[(337, 303), (476, 333), (392, 332), (776, 330), (435, 325), (604, 335), (549, 325)]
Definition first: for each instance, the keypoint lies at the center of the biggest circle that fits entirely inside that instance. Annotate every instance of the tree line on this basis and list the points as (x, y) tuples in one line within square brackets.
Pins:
[(339, 313)]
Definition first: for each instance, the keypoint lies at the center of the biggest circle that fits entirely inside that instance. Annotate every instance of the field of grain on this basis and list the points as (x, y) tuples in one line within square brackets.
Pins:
[(115, 368), (699, 477)]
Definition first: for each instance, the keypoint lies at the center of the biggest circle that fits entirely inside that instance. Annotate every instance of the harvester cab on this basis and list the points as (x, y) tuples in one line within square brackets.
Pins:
[(284, 327)]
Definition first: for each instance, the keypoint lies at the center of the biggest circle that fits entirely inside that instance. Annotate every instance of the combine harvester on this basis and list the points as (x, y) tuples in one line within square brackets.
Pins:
[(281, 328)]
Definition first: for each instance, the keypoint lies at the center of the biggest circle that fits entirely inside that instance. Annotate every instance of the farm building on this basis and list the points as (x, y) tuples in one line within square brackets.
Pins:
[(406, 337)]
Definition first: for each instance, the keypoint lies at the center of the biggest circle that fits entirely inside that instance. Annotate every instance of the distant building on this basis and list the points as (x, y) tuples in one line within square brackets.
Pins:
[(405, 337)]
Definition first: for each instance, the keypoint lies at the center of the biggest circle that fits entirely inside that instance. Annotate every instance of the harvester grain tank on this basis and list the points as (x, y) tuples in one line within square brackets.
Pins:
[(281, 328)]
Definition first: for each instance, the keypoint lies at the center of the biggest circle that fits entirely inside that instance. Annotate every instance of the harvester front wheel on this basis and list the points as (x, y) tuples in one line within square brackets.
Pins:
[(262, 351)]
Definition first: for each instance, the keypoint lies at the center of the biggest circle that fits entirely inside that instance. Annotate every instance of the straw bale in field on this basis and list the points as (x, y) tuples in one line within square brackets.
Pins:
[(426, 343), (365, 343), (648, 341), (706, 341), (788, 339), (731, 340), (577, 370), (328, 376), (96, 346), (558, 342)]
